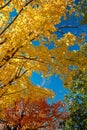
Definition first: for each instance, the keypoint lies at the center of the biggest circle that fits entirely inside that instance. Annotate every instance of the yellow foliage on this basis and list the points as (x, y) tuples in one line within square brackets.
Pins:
[(19, 57)]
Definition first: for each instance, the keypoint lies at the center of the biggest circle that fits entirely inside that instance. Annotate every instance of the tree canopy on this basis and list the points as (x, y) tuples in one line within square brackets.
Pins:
[(35, 20), (19, 57)]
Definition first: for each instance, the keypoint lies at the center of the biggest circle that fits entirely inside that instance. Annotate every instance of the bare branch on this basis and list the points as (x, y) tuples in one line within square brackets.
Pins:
[(67, 26)]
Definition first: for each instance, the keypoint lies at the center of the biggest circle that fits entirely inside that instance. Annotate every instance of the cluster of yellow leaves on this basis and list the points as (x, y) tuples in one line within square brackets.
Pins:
[(36, 20)]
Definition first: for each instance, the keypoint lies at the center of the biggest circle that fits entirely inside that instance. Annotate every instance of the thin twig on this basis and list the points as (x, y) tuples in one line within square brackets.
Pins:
[(3, 93), (3, 6), (16, 92)]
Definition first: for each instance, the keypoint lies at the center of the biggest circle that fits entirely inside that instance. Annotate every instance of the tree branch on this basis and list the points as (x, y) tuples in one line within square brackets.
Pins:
[(16, 92), (7, 57), (30, 58), (15, 77), (43, 126), (67, 26), (3, 6), (3, 93), (2, 41)]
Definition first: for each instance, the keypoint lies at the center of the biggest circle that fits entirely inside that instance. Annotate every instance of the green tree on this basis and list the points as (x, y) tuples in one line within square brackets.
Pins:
[(77, 99), (81, 10)]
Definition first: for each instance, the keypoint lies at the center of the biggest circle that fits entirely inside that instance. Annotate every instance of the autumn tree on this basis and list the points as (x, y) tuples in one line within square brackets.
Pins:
[(19, 57), (27, 115), (16, 65), (34, 20)]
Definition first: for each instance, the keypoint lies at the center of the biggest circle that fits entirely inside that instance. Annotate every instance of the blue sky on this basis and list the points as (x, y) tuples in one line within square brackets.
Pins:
[(54, 82)]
